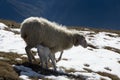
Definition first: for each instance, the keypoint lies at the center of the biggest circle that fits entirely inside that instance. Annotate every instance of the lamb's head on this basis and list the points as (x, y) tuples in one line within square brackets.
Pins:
[(80, 40)]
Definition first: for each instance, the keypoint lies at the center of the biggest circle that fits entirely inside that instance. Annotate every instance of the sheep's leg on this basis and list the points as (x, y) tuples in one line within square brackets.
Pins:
[(52, 57), (27, 49), (29, 54), (38, 50), (60, 57)]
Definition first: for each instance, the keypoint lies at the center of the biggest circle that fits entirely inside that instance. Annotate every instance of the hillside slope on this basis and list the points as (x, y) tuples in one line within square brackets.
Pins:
[(99, 61)]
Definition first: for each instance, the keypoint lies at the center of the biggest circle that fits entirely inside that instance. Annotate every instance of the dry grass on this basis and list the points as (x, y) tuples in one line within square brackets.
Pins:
[(69, 70), (88, 70), (107, 68), (92, 46), (113, 77), (119, 62), (7, 72), (110, 35), (94, 29), (65, 59), (11, 24), (112, 49), (10, 58), (87, 65)]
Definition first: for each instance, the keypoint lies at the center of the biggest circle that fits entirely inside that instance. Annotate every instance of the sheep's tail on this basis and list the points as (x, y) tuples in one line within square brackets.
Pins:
[(23, 34)]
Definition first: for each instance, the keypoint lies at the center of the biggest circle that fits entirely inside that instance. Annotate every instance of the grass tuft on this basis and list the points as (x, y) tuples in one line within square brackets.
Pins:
[(7, 72), (107, 68), (87, 65), (113, 77), (119, 62), (11, 24), (92, 46), (112, 49), (10, 57), (88, 70)]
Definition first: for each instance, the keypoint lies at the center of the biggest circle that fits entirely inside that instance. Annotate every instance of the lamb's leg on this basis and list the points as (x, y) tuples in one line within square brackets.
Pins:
[(52, 57), (46, 63), (60, 57), (38, 50), (41, 60), (27, 49)]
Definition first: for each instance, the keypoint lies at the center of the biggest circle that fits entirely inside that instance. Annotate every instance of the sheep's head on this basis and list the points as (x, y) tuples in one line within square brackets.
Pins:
[(80, 40)]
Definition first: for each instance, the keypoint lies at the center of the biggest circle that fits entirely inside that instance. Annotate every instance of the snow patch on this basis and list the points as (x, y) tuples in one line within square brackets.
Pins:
[(10, 42), (58, 77), (98, 59), (2, 26), (18, 59)]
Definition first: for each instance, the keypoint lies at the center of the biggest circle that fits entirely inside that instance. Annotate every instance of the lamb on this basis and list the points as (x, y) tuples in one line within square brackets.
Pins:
[(40, 31), (45, 55)]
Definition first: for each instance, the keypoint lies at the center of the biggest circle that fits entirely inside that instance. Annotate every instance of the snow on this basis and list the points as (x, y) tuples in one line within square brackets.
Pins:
[(101, 40), (18, 59), (2, 26), (24, 77), (93, 76), (58, 78), (10, 42), (1, 58), (16, 29), (97, 59)]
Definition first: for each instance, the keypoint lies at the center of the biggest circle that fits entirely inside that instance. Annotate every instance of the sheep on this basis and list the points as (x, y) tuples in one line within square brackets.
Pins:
[(35, 30), (44, 55)]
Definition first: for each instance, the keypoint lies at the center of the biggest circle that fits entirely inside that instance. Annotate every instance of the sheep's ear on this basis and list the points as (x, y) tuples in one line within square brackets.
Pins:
[(80, 40), (77, 40)]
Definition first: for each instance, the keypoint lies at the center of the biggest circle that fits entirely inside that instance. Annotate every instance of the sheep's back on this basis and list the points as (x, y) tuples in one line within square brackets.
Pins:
[(42, 32), (32, 30)]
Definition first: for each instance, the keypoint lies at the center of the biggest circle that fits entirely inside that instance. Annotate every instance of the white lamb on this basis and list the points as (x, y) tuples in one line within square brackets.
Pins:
[(45, 55)]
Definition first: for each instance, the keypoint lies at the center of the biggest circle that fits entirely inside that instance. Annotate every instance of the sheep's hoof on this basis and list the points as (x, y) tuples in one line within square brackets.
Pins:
[(58, 60), (30, 61)]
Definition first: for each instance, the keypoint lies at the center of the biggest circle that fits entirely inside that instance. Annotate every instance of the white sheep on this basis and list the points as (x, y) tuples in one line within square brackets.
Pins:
[(39, 31), (44, 54)]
